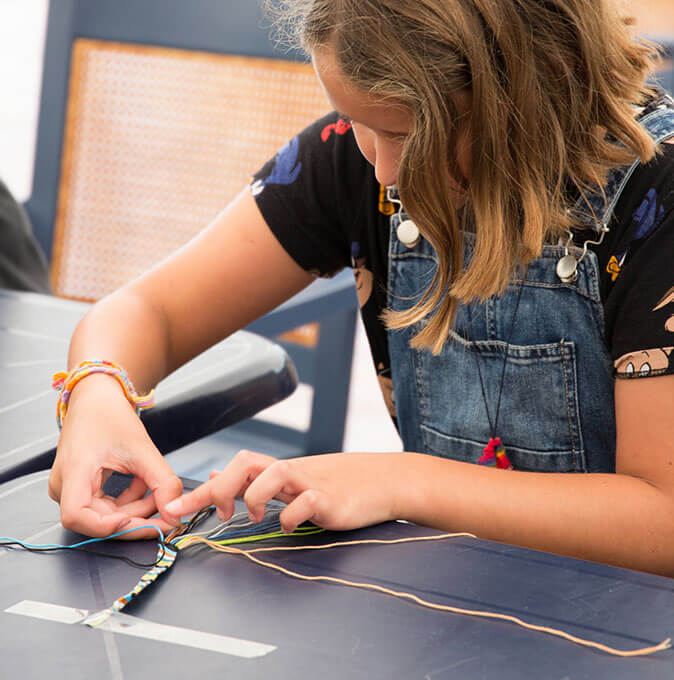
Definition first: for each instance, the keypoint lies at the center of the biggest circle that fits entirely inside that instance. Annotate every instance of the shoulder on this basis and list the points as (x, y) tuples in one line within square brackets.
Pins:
[(321, 155), (657, 172), (641, 269), (310, 192), (647, 200), (327, 134)]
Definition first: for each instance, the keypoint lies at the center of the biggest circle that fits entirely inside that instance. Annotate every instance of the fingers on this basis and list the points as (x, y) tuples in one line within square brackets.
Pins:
[(136, 490), (134, 533), (281, 480), (308, 506), (164, 483), (83, 520), (259, 479), (223, 488), (54, 488), (76, 496), (193, 501), (140, 509), (104, 517), (86, 510)]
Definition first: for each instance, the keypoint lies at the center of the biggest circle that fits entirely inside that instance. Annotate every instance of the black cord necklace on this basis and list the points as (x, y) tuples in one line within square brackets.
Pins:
[(494, 454)]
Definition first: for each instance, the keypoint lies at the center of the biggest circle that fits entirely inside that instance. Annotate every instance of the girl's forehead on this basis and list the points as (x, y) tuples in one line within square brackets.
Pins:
[(378, 113), (351, 102)]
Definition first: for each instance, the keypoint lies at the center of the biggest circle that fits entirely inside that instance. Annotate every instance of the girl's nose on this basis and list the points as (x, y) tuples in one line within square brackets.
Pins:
[(387, 162)]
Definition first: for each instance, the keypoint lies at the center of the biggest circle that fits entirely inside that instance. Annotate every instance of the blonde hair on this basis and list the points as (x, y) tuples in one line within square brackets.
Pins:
[(553, 84)]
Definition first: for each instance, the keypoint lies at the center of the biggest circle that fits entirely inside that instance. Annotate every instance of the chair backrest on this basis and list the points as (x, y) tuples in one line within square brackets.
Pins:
[(153, 115)]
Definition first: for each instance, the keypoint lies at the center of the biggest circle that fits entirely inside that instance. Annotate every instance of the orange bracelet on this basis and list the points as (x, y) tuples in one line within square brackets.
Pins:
[(65, 382)]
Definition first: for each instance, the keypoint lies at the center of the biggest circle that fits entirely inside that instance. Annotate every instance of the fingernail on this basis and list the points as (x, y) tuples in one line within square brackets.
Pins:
[(173, 507), (123, 523), (251, 516), (220, 514)]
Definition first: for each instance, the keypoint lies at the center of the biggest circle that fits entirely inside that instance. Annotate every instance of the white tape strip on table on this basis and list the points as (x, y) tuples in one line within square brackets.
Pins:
[(123, 624)]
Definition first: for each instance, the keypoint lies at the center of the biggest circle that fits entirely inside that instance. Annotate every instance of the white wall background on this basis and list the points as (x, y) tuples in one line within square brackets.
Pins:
[(22, 28)]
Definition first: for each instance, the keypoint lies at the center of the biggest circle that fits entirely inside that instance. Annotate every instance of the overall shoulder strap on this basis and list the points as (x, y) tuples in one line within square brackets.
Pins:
[(596, 208)]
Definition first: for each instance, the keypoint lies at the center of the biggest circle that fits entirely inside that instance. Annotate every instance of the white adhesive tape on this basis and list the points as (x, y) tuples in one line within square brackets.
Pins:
[(123, 624)]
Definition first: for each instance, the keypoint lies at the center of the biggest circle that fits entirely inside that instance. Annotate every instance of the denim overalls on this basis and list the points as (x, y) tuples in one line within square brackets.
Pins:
[(557, 408)]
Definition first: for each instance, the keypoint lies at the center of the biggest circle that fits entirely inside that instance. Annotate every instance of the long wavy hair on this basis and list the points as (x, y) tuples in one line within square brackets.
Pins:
[(553, 84)]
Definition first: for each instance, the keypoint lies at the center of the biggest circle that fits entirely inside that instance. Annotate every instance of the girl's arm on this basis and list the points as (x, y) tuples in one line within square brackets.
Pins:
[(230, 274), (625, 519)]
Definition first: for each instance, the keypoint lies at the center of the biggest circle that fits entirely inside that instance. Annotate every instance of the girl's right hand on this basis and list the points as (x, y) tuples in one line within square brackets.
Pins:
[(337, 491), (101, 434)]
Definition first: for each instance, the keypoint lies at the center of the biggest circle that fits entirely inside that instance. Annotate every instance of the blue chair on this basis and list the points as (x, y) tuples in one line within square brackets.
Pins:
[(141, 125)]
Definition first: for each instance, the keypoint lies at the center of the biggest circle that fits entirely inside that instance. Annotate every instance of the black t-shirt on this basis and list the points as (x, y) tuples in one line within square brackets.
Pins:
[(322, 201)]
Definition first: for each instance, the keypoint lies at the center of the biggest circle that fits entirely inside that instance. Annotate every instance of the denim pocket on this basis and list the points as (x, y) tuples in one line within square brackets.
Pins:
[(538, 418), (557, 408)]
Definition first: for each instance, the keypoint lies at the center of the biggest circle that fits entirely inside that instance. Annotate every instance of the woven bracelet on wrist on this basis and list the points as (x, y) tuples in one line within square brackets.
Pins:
[(64, 382)]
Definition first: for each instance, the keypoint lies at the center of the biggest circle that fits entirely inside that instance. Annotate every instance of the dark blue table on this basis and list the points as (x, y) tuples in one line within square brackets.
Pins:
[(295, 629), (226, 384)]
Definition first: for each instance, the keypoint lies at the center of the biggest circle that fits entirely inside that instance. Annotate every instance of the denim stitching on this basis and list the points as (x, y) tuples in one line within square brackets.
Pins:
[(597, 309), (421, 393), (499, 346), (490, 318), (578, 425), (523, 449), (568, 410), (552, 286), (414, 256)]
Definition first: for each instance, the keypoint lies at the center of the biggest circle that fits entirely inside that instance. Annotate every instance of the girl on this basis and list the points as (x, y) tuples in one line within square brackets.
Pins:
[(496, 176)]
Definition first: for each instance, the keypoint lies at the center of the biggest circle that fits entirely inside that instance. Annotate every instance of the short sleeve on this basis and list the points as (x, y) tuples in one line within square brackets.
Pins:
[(308, 193), (642, 298)]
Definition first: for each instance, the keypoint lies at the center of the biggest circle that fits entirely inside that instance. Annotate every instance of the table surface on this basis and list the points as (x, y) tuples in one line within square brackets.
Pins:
[(226, 384), (325, 630)]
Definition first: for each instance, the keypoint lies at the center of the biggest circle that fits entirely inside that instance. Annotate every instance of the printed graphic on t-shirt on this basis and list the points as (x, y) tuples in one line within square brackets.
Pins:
[(667, 299), (385, 206), (286, 168), (341, 127), (362, 275), (653, 361), (647, 218)]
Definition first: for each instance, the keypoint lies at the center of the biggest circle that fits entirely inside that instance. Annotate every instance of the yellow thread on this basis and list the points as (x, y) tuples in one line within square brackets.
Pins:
[(665, 644), (300, 531)]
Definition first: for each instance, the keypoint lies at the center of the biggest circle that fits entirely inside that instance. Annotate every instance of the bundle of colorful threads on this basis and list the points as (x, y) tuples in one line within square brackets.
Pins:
[(166, 557), (238, 529), (241, 530)]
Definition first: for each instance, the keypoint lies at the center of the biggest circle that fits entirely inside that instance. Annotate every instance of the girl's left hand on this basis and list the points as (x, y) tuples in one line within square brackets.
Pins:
[(336, 491)]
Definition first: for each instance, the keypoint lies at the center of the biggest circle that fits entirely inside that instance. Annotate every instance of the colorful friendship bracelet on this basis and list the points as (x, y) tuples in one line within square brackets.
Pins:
[(65, 382)]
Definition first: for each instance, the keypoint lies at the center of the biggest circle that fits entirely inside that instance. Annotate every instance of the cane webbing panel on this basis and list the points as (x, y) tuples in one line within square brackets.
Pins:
[(157, 141)]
